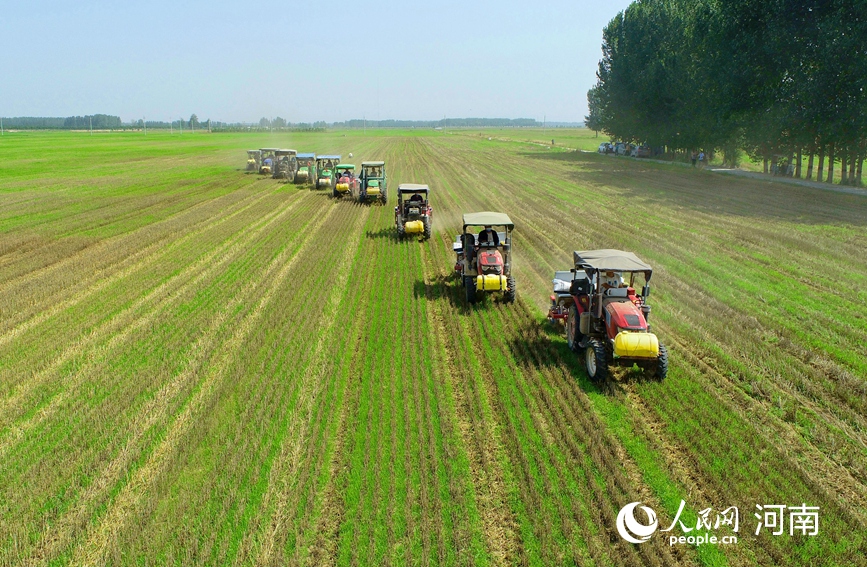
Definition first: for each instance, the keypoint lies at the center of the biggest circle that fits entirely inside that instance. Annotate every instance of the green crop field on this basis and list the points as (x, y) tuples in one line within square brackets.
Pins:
[(202, 366)]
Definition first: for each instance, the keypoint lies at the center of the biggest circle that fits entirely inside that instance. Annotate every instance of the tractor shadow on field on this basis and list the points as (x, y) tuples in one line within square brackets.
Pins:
[(683, 187), (444, 287), (539, 345)]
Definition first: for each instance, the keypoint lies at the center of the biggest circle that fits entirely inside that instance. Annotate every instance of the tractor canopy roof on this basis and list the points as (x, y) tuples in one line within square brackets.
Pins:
[(488, 218), (611, 260), (372, 163), (286, 152), (306, 156), (412, 188), (269, 149), (345, 166), (322, 156), (254, 151)]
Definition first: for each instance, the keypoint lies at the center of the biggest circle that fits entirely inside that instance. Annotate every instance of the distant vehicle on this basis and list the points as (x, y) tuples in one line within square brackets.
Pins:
[(605, 148), (641, 151), (254, 158), (306, 172), (622, 149), (324, 170), (372, 182)]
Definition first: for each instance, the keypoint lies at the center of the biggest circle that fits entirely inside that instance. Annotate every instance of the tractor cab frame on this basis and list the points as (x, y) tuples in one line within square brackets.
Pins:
[(287, 165), (345, 181), (484, 262), (413, 213), (373, 183), (268, 164), (305, 171), (604, 315), (325, 176)]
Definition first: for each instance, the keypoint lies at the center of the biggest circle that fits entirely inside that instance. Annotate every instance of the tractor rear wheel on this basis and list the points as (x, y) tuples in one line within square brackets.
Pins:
[(573, 334), (427, 227), (511, 290), (470, 288), (661, 364), (334, 193), (401, 230), (596, 361)]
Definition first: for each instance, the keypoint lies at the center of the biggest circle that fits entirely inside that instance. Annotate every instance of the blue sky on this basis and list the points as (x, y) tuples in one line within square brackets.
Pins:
[(239, 61)]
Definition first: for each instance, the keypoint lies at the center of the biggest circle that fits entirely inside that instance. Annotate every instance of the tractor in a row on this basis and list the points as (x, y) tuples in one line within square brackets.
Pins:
[(413, 213), (484, 261), (605, 317)]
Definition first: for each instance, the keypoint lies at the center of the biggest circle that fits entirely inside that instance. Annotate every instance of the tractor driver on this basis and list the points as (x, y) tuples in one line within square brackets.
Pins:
[(416, 198), (488, 235), (612, 280)]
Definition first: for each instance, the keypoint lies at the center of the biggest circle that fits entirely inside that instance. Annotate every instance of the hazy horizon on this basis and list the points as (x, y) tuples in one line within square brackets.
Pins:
[(224, 61)]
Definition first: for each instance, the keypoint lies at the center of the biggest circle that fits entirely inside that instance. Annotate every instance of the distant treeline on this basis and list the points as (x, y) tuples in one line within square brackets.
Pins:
[(783, 80), (100, 122), (444, 123)]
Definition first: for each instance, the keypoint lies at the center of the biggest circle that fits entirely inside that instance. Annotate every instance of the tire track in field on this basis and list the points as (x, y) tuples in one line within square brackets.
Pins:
[(127, 322), (100, 279), (57, 242), (153, 412), (481, 441), (125, 503), (288, 465)]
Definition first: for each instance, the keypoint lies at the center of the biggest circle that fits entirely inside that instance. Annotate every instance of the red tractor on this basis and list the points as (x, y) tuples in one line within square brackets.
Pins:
[(604, 316)]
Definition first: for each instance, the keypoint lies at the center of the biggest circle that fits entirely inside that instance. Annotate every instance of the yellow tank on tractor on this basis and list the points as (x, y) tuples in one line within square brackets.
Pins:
[(484, 261), (373, 183), (324, 171), (346, 182), (605, 317), (254, 160), (413, 213), (266, 166)]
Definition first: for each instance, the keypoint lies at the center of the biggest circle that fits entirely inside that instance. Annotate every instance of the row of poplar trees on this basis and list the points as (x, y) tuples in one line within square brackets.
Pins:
[(784, 80)]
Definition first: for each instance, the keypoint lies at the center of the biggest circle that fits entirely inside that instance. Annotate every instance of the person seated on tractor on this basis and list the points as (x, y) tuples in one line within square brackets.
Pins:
[(612, 280), (488, 236), (416, 198)]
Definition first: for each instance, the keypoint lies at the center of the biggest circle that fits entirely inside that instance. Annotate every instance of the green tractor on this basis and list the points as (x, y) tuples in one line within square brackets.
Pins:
[(306, 172), (373, 183), (346, 181), (266, 165), (324, 168), (286, 165), (254, 160)]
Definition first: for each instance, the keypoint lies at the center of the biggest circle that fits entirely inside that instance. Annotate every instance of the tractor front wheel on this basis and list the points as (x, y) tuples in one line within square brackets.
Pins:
[(470, 287), (334, 193), (661, 364), (427, 227), (596, 361), (511, 291), (573, 334)]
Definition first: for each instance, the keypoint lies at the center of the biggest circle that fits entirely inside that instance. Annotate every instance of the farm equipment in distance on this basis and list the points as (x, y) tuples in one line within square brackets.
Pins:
[(254, 160), (286, 165), (485, 263), (306, 172), (605, 317), (266, 166), (373, 182), (346, 182), (413, 212), (325, 175)]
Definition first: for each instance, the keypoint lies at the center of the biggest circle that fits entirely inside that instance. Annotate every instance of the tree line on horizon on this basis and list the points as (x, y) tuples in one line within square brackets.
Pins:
[(783, 80)]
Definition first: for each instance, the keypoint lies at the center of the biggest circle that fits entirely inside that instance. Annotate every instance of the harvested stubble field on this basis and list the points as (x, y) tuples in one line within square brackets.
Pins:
[(201, 366)]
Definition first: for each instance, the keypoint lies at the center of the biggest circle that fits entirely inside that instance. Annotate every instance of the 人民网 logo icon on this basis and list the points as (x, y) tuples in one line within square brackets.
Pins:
[(631, 529)]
